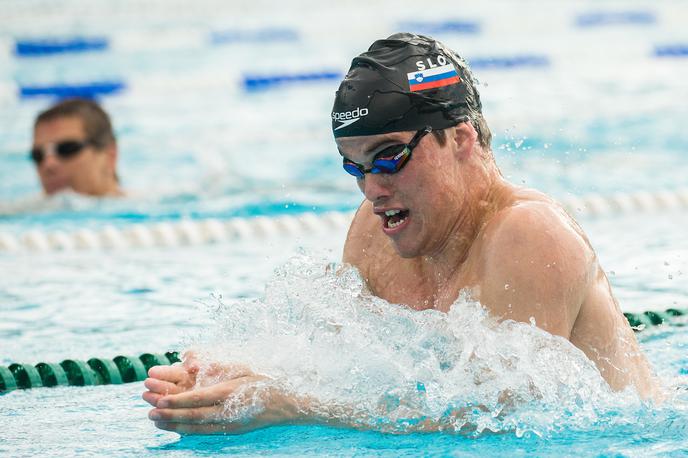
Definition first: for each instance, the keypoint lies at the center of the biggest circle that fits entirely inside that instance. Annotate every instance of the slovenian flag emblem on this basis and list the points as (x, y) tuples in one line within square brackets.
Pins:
[(433, 77)]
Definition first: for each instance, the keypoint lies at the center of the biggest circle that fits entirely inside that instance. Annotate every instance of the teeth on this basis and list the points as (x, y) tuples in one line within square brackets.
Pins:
[(392, 212), (393, 225)]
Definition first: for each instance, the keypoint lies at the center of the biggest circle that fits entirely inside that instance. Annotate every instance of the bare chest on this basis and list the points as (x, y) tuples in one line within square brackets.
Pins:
[(401, 281)]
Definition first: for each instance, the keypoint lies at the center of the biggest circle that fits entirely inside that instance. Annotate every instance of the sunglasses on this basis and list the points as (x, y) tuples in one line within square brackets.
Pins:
[(390, 160), (64, 150)]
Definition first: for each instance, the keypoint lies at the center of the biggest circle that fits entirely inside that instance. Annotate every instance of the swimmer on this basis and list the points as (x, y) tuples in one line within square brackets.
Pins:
[(74, 148), (438, 218)]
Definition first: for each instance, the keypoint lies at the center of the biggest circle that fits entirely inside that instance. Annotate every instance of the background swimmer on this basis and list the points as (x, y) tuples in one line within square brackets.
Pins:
[(74, 147)]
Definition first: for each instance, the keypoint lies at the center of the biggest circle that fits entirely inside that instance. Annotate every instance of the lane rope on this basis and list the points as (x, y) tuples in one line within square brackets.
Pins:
[(128, 369), (210, 231), (76, 372), (613, 18), (644, 320), (49, 46), (88, 90)]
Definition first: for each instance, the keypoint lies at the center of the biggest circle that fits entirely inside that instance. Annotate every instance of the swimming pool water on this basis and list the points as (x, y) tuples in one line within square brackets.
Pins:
[(600, 113)]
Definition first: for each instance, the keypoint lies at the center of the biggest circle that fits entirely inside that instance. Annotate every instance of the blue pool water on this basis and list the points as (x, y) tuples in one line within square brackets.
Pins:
[(579, 101)]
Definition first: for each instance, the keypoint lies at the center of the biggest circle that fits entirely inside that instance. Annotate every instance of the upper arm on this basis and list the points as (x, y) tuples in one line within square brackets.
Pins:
[(537, 265)]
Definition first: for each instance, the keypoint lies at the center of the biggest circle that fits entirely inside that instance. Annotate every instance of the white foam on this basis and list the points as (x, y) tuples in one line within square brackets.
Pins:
[(319, 333)]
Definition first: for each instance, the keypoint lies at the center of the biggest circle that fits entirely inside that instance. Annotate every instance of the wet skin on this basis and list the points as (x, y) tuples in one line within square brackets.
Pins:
[(89, 172), (460, 227), (513, 249)]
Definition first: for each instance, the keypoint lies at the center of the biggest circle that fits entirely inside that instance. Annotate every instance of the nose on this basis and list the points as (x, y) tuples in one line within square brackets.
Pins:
[(376, 187), (49, 162)]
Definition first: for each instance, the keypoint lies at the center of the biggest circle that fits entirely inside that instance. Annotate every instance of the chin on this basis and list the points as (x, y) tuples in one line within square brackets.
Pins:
[(54, 189), (405, 251)]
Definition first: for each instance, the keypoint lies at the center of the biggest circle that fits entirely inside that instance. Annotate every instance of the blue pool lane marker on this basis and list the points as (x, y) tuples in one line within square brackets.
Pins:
[(265, 82), (675, 50), (88, 90), (265, 35), (607, 18), (49, 46), (441, 27), (262, 82), (509, 62)]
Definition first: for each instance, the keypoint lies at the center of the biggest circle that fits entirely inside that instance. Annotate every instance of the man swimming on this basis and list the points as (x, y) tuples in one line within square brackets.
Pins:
[(74, 148), (438, 218)]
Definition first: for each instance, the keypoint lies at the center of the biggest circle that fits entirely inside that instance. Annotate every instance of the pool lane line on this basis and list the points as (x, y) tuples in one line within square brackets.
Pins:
[(677, 50), (76, 372), (48, 46), (128, 369), (211, 231), (90, 90), (644, 320), (615, 18), (262, 82)]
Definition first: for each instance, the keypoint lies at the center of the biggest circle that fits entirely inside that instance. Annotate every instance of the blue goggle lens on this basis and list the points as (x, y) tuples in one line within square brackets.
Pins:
[(352, 169), (390, 160)]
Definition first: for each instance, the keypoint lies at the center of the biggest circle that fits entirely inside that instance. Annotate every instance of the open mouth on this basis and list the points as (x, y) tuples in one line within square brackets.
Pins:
[(395, 218)]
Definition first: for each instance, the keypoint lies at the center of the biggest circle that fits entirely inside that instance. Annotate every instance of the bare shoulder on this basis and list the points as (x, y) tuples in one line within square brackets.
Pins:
[(535, 262), (535, 229)]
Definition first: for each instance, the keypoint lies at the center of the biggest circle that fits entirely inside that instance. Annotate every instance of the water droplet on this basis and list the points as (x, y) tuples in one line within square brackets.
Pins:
[(518, 143)]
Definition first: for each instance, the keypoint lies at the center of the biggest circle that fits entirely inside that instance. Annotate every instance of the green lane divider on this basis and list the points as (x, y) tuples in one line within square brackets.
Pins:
[(52, 374), (131, 368), (127, 369), (640, 321), (7, 381), (79, 373), (106, 371), (75, 372), (26, 376), (153, 359)]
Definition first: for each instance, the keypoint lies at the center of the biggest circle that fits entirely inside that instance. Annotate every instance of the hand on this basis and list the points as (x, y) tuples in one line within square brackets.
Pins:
[(226, 399)]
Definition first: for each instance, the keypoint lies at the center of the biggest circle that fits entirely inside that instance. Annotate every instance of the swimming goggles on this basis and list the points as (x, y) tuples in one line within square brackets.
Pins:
[(390, 160), (63, 150)]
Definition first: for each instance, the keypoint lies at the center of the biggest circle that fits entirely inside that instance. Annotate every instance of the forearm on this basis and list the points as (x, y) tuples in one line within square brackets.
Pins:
[(310, 411)]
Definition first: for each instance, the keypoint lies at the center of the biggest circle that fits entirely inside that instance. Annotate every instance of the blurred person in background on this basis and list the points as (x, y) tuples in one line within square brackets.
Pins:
[(74, 148)]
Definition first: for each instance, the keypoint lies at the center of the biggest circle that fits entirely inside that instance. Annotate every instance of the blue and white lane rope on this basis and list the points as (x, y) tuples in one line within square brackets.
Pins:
[(209, 231)]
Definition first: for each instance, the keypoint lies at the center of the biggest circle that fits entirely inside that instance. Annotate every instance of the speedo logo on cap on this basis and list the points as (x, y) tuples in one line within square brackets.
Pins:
[(348, 117)]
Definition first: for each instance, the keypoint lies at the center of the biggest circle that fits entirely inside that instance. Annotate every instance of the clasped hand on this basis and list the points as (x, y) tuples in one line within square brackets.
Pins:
[(191, 399)]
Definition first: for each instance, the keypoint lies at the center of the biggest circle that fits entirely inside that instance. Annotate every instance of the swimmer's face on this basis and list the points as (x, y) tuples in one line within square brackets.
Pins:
[(419, 206), (90, 171)]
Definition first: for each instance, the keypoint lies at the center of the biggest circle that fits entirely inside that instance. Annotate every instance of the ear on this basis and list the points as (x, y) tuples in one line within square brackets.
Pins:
[(464, 137)]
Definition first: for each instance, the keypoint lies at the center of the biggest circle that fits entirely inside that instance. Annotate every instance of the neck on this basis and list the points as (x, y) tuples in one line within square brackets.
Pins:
[(109, 189), (114, 190), (480, 203)]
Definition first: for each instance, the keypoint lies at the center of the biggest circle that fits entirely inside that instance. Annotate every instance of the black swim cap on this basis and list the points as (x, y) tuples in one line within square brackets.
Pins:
[(404, 83)]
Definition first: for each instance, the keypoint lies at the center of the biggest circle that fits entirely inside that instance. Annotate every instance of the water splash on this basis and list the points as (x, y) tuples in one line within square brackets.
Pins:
[(318, 332)]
